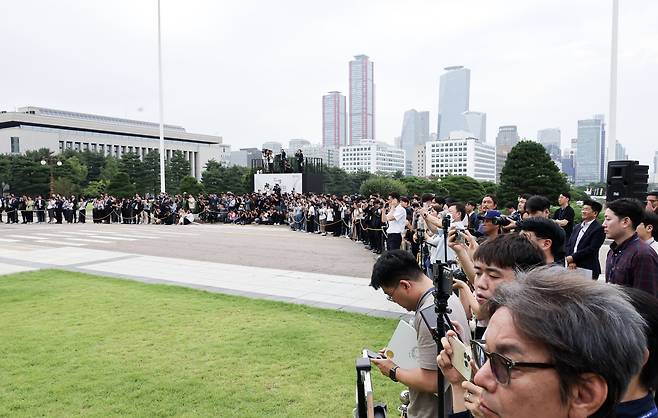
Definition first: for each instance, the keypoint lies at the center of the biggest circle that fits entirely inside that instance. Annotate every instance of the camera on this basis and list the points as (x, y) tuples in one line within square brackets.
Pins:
[(501, 220)]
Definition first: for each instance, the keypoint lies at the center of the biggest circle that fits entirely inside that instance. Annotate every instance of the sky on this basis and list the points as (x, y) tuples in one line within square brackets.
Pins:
[(254, 71)]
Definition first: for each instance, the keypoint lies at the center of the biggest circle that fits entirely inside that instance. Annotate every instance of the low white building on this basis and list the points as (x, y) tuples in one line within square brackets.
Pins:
[(374, 157), (461, 156), (329, 155), (32, 128)]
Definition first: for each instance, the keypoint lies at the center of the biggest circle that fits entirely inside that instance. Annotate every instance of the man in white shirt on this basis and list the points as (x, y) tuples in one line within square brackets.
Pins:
[(457, 213), (586, 239), (396, 217), (648, 230)]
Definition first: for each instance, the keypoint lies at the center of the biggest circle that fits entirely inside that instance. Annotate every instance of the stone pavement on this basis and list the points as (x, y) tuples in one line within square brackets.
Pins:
[(264, 262)]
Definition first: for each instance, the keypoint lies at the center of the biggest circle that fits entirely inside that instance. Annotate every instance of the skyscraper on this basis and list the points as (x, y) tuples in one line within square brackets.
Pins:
[(454, 91), (362, 99), (334, 120), (507, 137), (590, 151), (551, 139), (415, 131), (476, 123), (620, 152)]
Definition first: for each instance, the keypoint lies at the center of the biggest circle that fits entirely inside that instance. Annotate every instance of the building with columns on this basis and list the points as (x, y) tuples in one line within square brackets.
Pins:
[(32, 128)]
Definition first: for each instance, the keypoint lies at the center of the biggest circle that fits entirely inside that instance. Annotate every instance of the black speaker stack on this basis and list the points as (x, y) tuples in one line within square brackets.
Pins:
[(627, 179)]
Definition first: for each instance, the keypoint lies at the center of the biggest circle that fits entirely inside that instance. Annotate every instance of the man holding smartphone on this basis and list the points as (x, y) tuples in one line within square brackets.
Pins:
[(396, 217), (399, 276)]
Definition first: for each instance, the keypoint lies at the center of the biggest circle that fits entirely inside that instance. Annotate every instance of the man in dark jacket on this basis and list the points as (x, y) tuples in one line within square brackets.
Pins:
[(586, 240)]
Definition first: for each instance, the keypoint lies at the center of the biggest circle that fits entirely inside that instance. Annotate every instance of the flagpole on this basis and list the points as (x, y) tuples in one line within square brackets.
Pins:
[(612, 125), (162, 147)]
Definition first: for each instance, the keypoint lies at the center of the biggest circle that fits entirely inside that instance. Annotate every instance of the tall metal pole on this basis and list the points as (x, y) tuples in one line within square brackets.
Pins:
[(162, 147), (612, 125)]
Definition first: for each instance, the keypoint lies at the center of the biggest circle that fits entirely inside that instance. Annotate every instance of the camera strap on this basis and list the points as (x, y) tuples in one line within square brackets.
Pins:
[(422, 298)]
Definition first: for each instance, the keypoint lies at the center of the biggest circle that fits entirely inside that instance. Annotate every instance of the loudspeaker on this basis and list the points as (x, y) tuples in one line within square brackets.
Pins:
[(627, 179)]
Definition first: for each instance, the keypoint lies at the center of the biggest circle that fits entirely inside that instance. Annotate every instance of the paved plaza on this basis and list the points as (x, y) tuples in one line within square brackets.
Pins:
[(271, 262)]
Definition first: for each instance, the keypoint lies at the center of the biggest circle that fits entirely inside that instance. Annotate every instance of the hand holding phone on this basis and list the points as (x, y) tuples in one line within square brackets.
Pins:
[(461, 357)]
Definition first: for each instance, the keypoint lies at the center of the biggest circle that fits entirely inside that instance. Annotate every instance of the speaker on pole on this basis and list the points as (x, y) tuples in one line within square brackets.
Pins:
[(626, 179)]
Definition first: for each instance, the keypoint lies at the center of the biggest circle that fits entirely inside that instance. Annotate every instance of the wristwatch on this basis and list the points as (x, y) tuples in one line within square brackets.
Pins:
[(392, 372)]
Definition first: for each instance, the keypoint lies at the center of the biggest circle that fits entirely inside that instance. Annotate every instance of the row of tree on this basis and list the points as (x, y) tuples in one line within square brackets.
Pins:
[(528, 169)]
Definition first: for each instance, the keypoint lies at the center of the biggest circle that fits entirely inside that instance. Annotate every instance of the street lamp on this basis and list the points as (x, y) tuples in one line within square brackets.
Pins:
[(52, 176)]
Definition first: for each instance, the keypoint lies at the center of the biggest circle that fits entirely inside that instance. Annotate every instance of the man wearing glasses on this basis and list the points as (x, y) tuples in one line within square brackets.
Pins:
[(558, 346), (397, 273)]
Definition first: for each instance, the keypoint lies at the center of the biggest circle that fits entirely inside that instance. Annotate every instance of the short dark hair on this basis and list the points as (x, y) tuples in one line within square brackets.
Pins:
[(628, 208), (404, 199), (546, 229), (651, 218), (393, 266), (426, 197), (511, 205), (394, 195), (510, 251), (525, 196), (537, 203), (440, 200), (567, 195), (459, 207), (471, 203), (653, 193), (492, 197), (647, 306), (596, 206)]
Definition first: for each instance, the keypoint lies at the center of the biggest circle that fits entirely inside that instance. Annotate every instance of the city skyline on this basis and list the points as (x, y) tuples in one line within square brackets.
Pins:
[(229, 71)]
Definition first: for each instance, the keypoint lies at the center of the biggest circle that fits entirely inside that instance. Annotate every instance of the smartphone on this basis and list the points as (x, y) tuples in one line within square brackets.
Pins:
[(372, 354), (461, 357)]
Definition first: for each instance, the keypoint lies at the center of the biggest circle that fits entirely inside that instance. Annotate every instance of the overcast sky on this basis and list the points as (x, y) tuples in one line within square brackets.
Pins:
[(253, 71)]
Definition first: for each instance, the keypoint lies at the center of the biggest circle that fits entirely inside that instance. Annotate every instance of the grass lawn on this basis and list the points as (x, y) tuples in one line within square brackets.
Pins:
[(80, 345)]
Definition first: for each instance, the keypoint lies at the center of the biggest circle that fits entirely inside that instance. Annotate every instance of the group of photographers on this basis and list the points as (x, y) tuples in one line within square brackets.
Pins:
[(544, 339)]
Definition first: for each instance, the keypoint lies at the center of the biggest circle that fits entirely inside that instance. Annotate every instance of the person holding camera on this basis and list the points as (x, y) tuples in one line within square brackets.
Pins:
[(401, 279), (538, 360), (395, 217)]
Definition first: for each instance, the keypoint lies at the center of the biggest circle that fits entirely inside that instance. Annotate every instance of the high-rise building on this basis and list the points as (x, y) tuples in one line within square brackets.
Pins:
[(454, 91), (590, 151), (507, 137), (275, 146), (415, 131), (568, 164), (620, 152), (297, 143), (476, 124), (418, 162), (362, 100), (461, 157), (551, 139), (373, 157), (334, 120)]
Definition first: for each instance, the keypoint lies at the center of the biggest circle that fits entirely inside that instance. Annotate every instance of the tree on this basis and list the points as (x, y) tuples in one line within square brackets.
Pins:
[(95, 188), (94, 162), (28, 176), (76, 172), (419, 186), (191, 186), (529, 169), (110, 169), (133, 166), (463, 188), (65, 186), (382, 186), (120, 186), (151, 164), (177, 168), (490, 187)]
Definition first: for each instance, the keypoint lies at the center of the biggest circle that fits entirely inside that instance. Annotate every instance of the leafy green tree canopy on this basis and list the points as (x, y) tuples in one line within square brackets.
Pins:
[(529, 169), (382, 186)]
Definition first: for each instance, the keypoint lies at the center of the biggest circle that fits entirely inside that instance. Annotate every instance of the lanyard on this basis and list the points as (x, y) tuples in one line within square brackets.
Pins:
[(420, 301)]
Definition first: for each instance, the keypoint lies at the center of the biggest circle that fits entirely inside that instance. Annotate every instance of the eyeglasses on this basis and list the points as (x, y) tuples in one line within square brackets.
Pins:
[(501, 366), (390, 297)]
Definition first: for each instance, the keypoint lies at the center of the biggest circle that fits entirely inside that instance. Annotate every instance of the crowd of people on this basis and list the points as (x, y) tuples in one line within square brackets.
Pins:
[(545, 340)]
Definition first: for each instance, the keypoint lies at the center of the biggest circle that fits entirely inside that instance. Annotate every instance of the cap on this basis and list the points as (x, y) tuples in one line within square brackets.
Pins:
[(490, 214)]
